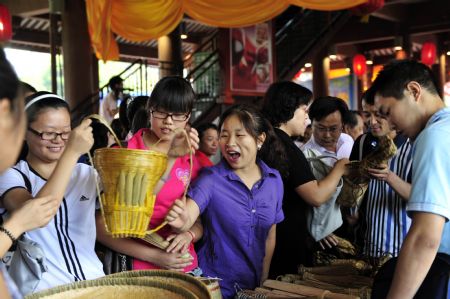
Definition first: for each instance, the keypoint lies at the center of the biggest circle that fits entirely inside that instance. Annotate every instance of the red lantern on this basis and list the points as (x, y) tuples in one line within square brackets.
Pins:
[(5, 24), (367, 8), (359, 65), (428, 54)]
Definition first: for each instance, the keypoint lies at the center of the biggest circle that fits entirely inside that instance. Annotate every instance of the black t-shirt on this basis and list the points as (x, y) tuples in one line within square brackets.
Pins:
[(292, 233)]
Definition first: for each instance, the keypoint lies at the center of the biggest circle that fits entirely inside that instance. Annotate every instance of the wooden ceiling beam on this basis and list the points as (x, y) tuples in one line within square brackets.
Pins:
[(27, 8)]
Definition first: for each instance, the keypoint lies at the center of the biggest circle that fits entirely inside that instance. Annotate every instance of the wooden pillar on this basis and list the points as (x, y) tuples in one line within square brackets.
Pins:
[(53, 34), (321, 68), (440, 73), (95, 82), (170, 54), (359, 90), (77, 55)]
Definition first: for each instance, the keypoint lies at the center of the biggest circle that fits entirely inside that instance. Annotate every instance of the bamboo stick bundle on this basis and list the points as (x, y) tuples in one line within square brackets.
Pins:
[(305, 290), (349, 281), (346, 269), (278, 293), (296, 289), (363, 293)]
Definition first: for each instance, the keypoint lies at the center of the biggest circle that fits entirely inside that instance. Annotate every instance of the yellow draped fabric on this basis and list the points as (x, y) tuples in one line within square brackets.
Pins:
[(139, 20)]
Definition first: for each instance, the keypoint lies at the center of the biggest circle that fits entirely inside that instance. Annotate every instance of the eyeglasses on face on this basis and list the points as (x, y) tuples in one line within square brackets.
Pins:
[(174, 116), (50, 135), (332, 130)]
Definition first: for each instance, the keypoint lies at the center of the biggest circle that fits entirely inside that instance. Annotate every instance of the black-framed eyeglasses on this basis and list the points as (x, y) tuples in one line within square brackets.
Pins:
[(50, 135), (174, 116), (332, 130)]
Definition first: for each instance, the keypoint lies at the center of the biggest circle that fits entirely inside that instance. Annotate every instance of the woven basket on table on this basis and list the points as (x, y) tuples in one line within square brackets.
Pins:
[(117, 288), (128, 177), (183, 280)]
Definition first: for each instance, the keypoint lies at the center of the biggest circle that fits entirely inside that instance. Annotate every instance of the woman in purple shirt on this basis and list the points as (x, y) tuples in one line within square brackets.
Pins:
[(240, 202)]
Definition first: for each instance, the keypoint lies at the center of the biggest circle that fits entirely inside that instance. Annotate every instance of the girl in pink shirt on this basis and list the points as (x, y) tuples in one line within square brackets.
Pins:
[(169, 109)]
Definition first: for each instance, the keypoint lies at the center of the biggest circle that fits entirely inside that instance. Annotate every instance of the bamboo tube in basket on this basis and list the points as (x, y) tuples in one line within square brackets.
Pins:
[(128, 178)]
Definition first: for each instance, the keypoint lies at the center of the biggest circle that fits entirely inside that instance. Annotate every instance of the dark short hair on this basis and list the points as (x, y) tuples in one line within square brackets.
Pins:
[(282, 99), (114, 81), (9, 83), (140, 120), (27, 88), (173, 94), (368, 96), (393, 78), (204, 127), (352, 118), (324, 106), (136, 104), (52, 101)]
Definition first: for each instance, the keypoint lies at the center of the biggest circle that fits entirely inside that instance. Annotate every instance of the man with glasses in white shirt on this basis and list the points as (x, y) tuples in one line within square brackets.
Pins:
[(327, 115)]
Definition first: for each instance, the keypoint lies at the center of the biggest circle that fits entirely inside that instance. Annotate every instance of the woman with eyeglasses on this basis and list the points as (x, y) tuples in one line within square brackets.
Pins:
[(169, 109), (51, 168)]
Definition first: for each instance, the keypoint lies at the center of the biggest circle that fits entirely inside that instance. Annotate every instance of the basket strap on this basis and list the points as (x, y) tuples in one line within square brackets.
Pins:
[(106, 124), (191, 166), (97, 185), (318, 158)]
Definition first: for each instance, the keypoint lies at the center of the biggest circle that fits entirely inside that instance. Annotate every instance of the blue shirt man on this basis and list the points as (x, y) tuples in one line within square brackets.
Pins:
[(431, 171), (407, 95)]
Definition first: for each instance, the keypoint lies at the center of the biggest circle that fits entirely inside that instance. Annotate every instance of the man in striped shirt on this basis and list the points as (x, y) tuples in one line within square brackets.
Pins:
[(383, 219)]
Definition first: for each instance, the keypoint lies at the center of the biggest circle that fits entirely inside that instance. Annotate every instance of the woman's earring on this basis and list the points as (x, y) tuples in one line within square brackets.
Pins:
[(259, 146)]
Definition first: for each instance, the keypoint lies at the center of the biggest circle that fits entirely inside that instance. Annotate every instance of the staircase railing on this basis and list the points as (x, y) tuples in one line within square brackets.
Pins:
[(201, 68), (135, 80), (318, 27), (203, 71)]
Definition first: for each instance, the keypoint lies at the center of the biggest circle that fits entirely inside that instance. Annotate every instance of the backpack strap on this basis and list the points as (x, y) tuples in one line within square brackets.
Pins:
[(361, 146)]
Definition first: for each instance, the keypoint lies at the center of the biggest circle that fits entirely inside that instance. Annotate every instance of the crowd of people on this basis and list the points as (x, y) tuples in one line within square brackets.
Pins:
[(260, 211)]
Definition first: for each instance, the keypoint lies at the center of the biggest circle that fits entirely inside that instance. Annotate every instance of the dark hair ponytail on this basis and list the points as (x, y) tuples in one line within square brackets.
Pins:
[(256, 124)]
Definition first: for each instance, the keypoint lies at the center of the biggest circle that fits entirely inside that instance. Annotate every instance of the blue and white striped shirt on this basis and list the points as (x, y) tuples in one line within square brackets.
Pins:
[(385, 220)]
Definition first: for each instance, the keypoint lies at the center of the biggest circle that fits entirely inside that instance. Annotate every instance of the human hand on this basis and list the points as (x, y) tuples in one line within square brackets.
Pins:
[(81, 138), (34, 213), (177, 216), (179, 146), (328, 242), (381, 172), (342, 165), (180, 242), (173, 261)]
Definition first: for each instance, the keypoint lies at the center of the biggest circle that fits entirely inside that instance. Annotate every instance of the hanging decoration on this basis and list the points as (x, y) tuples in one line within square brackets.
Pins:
[(5, 24), (359, 65), (145, 20), (364, 10), (367, 8), (428, 54)]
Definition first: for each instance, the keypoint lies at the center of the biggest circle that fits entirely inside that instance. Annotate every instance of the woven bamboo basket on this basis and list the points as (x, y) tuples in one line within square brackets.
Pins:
[(185, 281), (117, 288), (355, 185), (128, 178)]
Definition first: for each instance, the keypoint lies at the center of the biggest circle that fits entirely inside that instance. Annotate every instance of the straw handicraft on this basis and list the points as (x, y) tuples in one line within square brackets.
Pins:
[(185, 281), (129, 178), (117, 288), (357, 180)]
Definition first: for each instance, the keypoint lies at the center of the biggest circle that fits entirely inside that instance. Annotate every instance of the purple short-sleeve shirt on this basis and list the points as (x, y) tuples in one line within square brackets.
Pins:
[(236, 223)]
